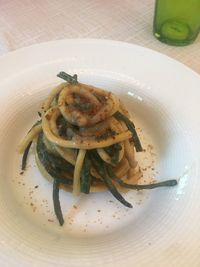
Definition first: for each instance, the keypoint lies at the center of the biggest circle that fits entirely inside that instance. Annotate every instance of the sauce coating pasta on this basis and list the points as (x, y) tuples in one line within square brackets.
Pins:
[(85, 142)]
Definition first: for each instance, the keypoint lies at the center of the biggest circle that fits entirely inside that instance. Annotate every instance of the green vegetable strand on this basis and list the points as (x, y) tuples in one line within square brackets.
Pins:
[(118, 115), (57, 167), (26, 151), (56, 202), (100, 167), (25, 155), (138, 186), (113, 152), (67, 77), (114, 191), (86, 177)]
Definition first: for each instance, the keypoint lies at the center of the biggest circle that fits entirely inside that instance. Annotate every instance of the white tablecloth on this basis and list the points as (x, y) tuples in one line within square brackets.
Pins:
[(25, 22)]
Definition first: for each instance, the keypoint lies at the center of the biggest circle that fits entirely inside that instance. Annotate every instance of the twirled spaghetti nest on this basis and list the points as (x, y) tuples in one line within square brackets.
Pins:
[(85, 142)]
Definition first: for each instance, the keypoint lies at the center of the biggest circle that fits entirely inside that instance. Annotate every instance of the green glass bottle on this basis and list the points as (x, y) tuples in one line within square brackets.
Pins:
[(177, 22)]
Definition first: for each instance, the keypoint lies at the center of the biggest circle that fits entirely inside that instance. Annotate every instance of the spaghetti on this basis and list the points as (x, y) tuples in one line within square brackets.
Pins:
[(85, 142)]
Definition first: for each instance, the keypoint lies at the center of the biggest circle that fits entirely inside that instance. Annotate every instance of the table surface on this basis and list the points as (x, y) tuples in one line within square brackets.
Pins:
[(26, 22)]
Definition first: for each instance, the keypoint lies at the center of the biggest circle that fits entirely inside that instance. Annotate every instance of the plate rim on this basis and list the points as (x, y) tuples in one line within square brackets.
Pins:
[(92, 40)]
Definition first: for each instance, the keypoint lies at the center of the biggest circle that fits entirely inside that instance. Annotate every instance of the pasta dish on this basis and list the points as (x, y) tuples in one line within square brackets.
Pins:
[(85, 142)]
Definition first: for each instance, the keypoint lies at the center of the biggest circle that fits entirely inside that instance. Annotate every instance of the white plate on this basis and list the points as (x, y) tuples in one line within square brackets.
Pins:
[(163, 228)]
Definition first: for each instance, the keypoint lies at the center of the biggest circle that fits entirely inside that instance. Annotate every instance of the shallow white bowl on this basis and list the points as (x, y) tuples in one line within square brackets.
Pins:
[(163, 228)]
